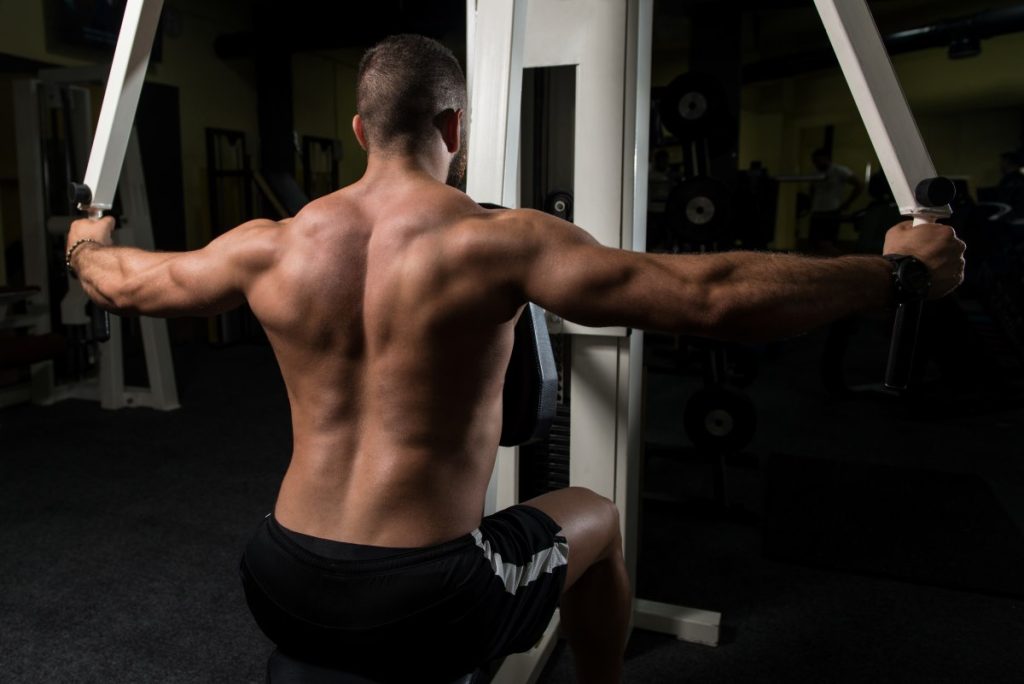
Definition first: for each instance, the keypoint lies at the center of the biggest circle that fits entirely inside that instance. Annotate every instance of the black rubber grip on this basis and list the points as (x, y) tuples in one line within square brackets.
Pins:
[(935, 192), (903, 346), (80, 194)]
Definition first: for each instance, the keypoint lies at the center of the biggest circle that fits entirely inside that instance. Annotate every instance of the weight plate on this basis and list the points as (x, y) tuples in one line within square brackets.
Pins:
[(693, 106), (698, 212), (720, 420)]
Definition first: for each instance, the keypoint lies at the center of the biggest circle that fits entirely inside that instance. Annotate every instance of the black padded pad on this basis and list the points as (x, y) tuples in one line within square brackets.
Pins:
[(283, 669), (531, 382)]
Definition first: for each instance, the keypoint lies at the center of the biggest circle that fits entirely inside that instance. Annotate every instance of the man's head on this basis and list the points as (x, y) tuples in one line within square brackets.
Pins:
[(821, 159), (410, 95)]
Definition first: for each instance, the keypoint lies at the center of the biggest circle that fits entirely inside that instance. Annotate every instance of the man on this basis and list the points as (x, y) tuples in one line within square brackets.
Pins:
[(1010, 190), (828, 201), (390, 305)]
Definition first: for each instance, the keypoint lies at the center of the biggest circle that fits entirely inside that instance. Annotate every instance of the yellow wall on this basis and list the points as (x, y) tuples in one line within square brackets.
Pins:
[(969, 111), (325, 101)]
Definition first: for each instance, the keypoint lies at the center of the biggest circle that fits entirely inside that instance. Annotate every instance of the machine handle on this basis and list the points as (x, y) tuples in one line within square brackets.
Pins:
[(930, 192), (81, 196)]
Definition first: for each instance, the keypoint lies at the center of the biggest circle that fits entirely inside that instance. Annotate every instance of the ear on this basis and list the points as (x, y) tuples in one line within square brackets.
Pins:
[(450, 124), (357, 128)]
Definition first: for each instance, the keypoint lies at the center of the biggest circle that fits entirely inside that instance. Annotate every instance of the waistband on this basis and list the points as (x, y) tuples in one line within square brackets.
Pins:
[(329, 553)]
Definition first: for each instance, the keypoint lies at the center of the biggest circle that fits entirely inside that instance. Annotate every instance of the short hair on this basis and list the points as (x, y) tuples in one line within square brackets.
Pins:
[(821, 152), (403, 83)]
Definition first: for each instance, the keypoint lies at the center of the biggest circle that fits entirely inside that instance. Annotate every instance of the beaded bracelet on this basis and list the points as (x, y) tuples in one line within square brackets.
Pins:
[(71, 251)]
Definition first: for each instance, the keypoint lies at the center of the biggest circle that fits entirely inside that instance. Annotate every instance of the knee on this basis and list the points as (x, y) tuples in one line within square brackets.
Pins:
[(605, 515)]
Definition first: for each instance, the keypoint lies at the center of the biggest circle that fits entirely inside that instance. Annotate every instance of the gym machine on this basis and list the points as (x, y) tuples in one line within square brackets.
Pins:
[(503, 37), (116, 144)]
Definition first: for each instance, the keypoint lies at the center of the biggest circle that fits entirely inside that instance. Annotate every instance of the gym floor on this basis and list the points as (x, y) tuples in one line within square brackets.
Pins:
[(833, 559)]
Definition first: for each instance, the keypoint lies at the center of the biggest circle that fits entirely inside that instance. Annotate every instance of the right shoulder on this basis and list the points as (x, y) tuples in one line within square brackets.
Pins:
[(499, 232)]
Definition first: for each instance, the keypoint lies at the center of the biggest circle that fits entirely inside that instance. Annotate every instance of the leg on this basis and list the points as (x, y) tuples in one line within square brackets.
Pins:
[(596, 600)]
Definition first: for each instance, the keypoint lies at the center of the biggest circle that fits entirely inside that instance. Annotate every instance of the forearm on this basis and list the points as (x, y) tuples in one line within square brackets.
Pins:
[(109, 274), (754, 296)]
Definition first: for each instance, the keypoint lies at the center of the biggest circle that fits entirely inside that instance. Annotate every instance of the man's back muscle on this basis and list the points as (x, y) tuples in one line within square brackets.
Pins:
[(393, 352)]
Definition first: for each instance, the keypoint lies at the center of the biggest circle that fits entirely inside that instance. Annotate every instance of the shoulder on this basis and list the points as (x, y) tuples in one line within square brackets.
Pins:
[(253, 245)]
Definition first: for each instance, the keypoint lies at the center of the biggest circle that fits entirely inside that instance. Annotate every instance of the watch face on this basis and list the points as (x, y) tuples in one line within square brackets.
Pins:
[(914, 277)]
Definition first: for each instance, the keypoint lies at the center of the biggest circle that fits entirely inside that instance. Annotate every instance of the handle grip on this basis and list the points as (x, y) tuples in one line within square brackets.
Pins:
[(81, 197), (905, 331), (903, 346)]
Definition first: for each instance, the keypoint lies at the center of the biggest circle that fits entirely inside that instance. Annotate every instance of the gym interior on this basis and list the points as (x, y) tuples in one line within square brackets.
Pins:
[(820, 526)]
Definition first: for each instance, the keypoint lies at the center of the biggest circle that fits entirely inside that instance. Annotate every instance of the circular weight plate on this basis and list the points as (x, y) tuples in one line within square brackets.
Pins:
[(692, 106), (698, 211), (720, 420), (719, 423)]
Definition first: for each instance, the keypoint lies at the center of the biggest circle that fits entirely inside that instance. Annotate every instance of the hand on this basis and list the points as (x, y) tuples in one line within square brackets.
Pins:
[(100, 230), (935, 245)]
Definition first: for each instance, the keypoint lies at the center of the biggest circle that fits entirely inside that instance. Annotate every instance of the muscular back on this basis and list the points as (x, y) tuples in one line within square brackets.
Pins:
[(393, 348)]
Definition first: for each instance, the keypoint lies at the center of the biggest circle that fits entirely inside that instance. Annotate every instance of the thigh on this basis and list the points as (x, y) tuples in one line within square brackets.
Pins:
[(589, 522)]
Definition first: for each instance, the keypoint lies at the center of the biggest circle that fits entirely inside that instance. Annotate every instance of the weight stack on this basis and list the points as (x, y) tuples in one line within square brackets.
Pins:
[(544, 465)]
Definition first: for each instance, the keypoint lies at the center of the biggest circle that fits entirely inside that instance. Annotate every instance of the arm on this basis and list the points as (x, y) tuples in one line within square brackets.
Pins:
[(203, 282), (744, 296)]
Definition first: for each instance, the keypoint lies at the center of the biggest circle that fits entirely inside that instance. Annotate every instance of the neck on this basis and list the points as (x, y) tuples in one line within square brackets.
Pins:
[(387, 165)]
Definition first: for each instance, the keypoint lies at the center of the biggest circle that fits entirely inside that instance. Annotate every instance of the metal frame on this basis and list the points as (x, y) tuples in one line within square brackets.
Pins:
[(121, 100), (610, 44), (109, 388), (881, 102)]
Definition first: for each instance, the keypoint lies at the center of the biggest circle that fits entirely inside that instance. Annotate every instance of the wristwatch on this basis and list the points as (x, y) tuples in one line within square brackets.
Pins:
[(911, 279)]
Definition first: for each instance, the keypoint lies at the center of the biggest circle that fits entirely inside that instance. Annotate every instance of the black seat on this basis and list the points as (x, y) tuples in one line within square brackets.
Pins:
[(284, 669)]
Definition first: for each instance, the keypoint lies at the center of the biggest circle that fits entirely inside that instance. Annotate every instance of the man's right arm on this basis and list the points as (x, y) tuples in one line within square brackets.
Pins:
[(742, 296)]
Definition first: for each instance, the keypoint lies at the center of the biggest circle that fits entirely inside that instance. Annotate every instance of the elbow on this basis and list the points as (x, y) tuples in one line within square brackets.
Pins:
[(727, 316), (117, 297)]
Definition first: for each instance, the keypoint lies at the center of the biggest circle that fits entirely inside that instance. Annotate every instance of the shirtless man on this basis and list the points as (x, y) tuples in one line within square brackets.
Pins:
[(390, 305)]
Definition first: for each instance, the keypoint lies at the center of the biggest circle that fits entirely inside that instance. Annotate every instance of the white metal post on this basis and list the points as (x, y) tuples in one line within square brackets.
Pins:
[(880, 100), (127, 74)]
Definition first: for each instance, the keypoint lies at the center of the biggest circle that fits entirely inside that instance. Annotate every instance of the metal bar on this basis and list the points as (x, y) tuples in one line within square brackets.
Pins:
[(896, 139), (127, 74), (881, 102), (496, 106)]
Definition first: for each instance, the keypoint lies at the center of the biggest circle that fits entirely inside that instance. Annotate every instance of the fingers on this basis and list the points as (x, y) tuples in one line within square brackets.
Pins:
[(99, 230)]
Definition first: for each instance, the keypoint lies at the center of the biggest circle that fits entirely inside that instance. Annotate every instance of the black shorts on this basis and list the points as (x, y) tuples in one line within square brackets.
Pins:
[(422, 614)]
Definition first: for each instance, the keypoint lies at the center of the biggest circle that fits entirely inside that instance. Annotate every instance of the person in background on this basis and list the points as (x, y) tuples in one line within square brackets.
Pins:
[(830, 197), (1011, 186)]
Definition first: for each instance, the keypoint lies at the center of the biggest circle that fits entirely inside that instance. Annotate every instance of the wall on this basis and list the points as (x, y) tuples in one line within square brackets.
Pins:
[(969, 111), (325, 101)]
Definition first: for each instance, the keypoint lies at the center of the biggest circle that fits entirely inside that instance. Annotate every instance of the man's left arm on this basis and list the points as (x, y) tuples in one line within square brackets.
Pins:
[(203, 282)]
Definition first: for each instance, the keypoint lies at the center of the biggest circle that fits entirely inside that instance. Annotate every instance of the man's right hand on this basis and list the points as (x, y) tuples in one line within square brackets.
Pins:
[(935, 245)]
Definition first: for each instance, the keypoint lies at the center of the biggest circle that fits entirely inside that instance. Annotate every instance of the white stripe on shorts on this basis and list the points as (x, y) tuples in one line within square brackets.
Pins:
[(516, 576)]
